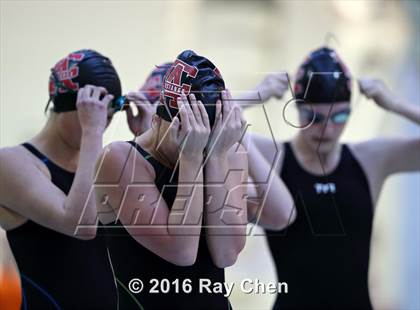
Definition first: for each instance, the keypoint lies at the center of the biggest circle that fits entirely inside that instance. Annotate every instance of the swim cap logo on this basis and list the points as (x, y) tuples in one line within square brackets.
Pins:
[(152, 87), (173, 82), (63, 73), (153, 83), (217, 72)]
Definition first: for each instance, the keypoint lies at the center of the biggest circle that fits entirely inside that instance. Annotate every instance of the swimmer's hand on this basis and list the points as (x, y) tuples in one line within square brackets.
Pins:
[(191, 133), (91, 109), (228, 127), (142, 121), (378, 91), (273, 85)]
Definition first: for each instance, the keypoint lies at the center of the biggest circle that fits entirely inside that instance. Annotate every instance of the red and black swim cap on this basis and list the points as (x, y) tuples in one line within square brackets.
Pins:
[(323, 78), (153, 84), (78, 69), (192, 74)]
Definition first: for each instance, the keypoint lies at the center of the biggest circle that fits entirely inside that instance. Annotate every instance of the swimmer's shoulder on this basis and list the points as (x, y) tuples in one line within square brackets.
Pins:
[(19, 159), (121, 161), (16, 162)]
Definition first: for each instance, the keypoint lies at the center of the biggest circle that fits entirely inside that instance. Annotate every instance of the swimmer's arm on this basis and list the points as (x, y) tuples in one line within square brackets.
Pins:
[(274, 207), (410, 111), (404, 153), (379, 92), (225, 211), (126, 183), (383, 157), (399, 154), (27, 191)]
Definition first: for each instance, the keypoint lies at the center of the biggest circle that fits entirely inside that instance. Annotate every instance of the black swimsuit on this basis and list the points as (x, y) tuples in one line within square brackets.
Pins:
[(131, 260), (324, 254), (58, 271)]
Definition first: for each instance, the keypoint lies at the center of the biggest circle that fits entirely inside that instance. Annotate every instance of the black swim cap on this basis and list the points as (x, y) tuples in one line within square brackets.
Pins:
[(153, 84), (78, 69), (323, 78), (193, 74)]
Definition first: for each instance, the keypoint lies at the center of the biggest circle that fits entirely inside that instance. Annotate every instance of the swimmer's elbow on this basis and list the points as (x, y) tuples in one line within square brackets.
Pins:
[(86, 238), (225, 255), (280, 220), (293, 216), (225, 259), (184, 257), (84, 233), (286, 219)]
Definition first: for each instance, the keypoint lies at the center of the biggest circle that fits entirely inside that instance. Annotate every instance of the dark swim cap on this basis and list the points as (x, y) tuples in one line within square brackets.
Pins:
[(323, 78), (193, 74), (153, 84), (78, 69)]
